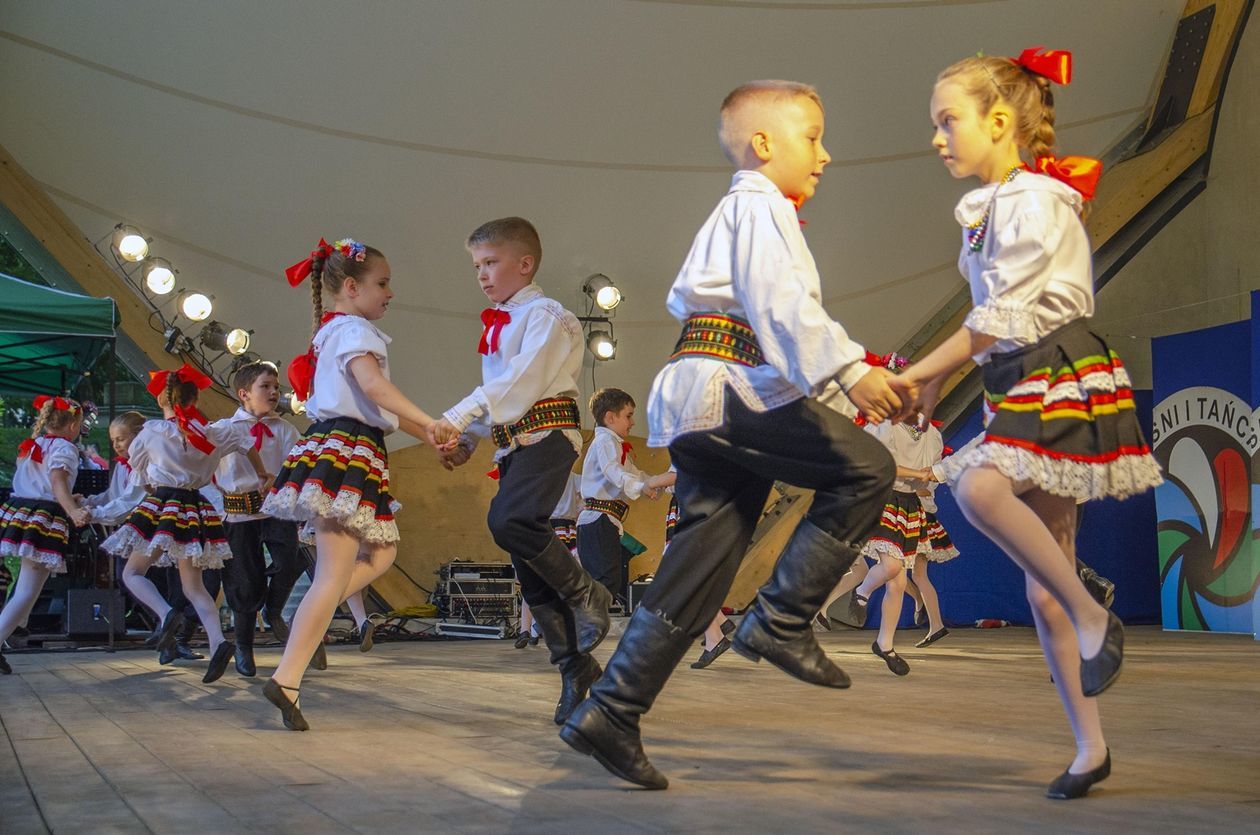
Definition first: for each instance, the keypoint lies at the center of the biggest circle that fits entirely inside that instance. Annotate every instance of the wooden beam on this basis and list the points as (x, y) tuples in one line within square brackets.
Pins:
[(66, 243)]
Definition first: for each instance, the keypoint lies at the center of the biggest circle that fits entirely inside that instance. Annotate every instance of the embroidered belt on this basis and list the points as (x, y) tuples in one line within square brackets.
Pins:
[(552, 413), (718, 336), (245, 504), (613, 507)]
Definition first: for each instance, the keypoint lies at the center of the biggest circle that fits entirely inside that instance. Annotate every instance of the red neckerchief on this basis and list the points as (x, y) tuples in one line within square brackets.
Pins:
[(302, 368), (258, 430), (187, 419), (493, 321), (29, 447), (122, 459), (625, 450)]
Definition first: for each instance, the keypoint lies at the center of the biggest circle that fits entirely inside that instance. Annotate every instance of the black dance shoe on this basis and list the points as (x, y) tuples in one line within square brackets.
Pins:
[(367, 635), (219, 662), (245, 661), (933, 638), (710, 655), (279, 629), (894, 661), (522, 640), (822, 620), (167, 656), (920, 617), (1101, 671), (289, 711), (170, 625), (1069, 786), (727, 627)]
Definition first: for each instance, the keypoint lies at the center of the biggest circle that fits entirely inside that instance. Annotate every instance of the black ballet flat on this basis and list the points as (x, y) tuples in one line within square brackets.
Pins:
[(367, 636), (219, 662), (1101, 671), (289, 711), (170, 625), (1069, 786), (920, 617), (933, 638), (533, 640), (522, 640), (727, 627), (895, 662), (710, 655), (5, 669)]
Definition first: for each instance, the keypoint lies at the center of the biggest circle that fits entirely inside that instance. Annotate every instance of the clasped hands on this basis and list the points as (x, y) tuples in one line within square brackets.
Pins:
[(882, 395)]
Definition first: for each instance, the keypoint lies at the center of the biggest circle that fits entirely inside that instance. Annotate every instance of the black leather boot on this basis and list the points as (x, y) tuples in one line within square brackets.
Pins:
[(182, 637), (578, 671), (606, 725), (244, 622), (777, 627), (588, 600), (273, 608)]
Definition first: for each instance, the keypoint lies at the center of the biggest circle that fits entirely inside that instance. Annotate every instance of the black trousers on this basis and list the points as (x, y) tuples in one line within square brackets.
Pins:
[(246, 576), (724, 478), (531, 481), (599, 551)]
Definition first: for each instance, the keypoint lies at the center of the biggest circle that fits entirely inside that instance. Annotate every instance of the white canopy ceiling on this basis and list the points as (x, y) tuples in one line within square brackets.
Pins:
[(237, 133)]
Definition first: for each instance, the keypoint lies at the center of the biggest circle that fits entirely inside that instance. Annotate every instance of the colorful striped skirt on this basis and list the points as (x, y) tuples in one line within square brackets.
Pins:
[(899, 530), (172, 524), (566, 532), (37, 530), (934, 542), (339, 471), (1060, 417)]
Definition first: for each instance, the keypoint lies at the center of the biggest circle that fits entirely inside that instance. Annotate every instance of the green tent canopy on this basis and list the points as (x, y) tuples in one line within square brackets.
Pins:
[(49, 338)]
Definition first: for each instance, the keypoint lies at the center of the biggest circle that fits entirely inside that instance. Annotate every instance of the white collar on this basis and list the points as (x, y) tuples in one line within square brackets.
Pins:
[(608, 431), (745, 180), (974, 203), (521, 297), (242, 415)]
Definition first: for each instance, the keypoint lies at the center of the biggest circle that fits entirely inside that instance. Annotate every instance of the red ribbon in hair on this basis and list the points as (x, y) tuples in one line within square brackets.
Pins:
[(31, 449), (158, 380), (61, 404), (301, 370), (1054, 64), (493, 319), (625, 450), (258, 430), (1080, 173), (299, 271)]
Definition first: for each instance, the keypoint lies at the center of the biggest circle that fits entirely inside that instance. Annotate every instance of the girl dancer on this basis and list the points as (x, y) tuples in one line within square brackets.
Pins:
[(1061, 421), (174, 524), (336, 479), (123, 494), (35, 522)]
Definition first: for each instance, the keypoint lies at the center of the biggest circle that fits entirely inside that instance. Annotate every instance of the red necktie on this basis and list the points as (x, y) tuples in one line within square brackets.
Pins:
[(258, 430), (493, 320), (625, 450)]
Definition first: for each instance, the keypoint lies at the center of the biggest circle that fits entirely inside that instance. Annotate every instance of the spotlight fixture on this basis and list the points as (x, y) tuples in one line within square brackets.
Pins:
[(298, 407), (602, 345), (196, 306), (130, 243), (174, 340), (602, 291), (159, 275), (237, 341), (216, 337)]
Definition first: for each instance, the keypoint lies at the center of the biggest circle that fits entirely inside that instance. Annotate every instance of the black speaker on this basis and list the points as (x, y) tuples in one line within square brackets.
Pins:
[(91, 612)]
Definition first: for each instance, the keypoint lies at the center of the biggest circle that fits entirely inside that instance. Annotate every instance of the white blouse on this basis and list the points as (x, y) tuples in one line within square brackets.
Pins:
[(236, 475), (605, 477), (31, 478), (160, 456), (750, 260), (915, 453), (121, 497), (335, 393), (1034, 272), (539, 356)]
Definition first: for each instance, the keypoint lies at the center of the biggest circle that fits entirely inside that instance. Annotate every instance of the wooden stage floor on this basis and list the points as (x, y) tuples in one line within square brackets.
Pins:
[(456, 736)]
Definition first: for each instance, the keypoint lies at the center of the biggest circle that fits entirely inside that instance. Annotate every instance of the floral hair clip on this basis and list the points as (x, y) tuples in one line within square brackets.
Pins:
[(351, 249), (893, 361)]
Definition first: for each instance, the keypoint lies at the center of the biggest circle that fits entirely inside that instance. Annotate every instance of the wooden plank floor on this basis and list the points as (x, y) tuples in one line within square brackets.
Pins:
[(457, 737)]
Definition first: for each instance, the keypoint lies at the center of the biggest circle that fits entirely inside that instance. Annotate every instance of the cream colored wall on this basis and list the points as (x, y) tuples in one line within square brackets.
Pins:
[(444, 517), (1198, 271)]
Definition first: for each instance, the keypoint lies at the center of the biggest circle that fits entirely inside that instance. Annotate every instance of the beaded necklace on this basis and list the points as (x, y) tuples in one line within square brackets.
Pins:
[(915, 432), (976, 231)]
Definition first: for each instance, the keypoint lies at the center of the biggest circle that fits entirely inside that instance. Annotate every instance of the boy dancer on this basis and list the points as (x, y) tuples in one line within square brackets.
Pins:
[(741, 404), (531, 351), (247, 583), (610, 478)]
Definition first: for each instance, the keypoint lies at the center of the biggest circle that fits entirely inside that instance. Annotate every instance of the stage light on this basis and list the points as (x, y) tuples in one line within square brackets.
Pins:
[(602, 345), (601, 289), (174, 337), (130, 243), (237, 341), (196, 306), (159, 275)]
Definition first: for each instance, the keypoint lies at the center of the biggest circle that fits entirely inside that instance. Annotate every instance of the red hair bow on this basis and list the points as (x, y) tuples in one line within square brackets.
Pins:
[(190, 420), (29, 447), (1080, 173), (299, 271), (1054, 64), (185, 374), (61, 404), (302, 367), (493, 320)]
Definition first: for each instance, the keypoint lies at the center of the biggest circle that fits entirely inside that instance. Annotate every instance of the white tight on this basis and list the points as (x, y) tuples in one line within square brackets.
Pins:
[(344, 566), (30, 582), (190, 581)]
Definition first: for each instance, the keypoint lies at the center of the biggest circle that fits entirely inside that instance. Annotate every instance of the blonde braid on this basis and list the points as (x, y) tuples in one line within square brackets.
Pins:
[(41, 419), (317, 293), (1041, 138)]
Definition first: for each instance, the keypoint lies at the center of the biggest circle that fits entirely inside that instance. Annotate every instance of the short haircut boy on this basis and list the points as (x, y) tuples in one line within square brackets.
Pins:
[(515, 230), (249, 372), (608, 400)]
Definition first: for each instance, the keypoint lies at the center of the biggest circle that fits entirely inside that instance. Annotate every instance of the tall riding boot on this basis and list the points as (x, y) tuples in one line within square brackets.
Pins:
[(588, 600), (278, 591), (606, 725), (777, 627), (244, 623), (182, 637), (578, 671)]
